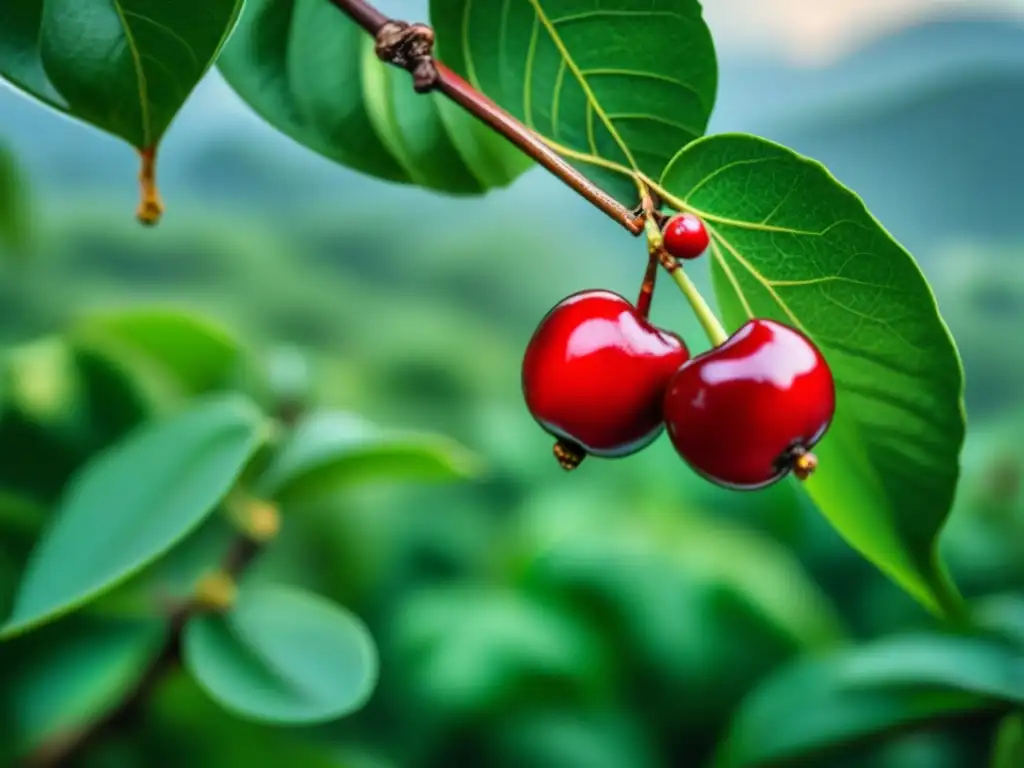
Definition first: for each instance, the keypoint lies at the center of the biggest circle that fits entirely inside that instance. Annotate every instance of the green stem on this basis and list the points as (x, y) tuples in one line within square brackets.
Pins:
[(715, 332), (712, 327)]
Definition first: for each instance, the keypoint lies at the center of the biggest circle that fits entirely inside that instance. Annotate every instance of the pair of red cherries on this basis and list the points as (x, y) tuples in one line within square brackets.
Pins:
[(605, 382)]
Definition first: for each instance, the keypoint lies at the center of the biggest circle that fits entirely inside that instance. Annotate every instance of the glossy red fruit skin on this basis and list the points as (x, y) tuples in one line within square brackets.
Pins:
[(685, 236), (595, 373), (735, 411)]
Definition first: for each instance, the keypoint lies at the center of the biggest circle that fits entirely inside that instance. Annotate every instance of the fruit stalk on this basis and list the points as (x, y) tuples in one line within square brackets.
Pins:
[(151, 208), (715, 332), (408, 46), (705, 315), (643, 302)]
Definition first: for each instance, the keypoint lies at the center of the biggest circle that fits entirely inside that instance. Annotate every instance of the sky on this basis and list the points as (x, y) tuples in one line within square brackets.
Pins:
[(815, 32)]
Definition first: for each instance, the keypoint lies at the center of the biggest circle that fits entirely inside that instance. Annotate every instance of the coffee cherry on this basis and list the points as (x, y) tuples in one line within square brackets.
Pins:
[(685, 236), (746, 413), (594, 376)]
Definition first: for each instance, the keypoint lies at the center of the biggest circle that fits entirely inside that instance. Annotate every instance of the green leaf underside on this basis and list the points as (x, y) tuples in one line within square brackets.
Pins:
[(629, 82), (21, 62), (312, 73), (133, 503), (283, 656), (124, 66), (329, 451), (866, 692), (72, 674), (792, 244)]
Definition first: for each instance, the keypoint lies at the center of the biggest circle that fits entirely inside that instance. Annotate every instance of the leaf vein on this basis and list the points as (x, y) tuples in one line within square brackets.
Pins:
[(140, 74), (170, 33), (587, 91), (625, 116)]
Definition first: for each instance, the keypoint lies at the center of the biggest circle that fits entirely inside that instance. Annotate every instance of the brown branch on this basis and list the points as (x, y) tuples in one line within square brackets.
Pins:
[(67, 747), (410, 46)]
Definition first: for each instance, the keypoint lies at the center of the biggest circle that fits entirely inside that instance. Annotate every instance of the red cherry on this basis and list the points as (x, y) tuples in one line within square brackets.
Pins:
[(685, 236), (594, 376), (747, 412)]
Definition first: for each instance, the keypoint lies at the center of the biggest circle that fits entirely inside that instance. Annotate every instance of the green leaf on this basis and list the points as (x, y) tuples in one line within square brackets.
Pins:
[(312, 73), (174, 577), (1001, 615), (470, 650), (281, 655), (134, 502), (161, 345), (618, 88), (701, 609), (111, 401), (866, 692), (15, 213), (329, 451), (126, 67), (789, 242), (69, 675), (1008, 749)]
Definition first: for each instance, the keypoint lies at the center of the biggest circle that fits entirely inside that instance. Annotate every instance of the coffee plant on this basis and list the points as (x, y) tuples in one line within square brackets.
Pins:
[(149, 458)]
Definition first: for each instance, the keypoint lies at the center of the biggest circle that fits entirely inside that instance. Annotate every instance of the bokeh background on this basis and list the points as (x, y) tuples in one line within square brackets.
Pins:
[(612, 618)]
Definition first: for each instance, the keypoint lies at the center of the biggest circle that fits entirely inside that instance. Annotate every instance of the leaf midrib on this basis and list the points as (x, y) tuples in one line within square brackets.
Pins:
[(140, 75), (592, 100)]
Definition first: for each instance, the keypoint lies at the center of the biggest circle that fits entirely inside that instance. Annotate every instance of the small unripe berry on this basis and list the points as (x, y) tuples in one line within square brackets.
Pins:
[(685, 236)]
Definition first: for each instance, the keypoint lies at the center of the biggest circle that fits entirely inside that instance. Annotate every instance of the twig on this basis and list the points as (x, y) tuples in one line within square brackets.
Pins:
[(410, 46), (63, 750)]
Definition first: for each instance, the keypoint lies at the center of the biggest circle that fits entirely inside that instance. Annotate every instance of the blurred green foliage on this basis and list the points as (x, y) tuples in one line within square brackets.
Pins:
[(609, 619)]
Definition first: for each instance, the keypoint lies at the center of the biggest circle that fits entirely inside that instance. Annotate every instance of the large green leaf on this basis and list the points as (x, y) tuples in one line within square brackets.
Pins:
[(822, 704), (167, 348), (791, 243), (312, 73), (134, 502), (67, 676), (619, 82), (283, 656), (111, 401), (126, 66), (329, 451)]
